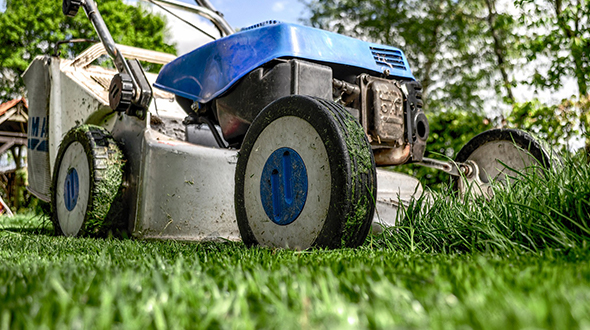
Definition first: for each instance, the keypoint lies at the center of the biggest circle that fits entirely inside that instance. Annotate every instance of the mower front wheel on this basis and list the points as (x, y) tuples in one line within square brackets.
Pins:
[(498, 155), (86, 194), (305, 177)]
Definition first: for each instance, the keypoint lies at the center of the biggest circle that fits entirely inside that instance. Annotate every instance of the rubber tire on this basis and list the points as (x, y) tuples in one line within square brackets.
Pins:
[(352, 186), (101, 210), (521, 139)]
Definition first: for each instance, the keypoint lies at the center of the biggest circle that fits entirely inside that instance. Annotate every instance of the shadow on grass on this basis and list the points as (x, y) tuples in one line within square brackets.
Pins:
[(46, 231), (28, 223)]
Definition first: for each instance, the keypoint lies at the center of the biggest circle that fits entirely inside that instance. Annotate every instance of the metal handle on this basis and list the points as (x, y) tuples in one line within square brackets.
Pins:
[(218, 20), (104, 35), (109, 44)]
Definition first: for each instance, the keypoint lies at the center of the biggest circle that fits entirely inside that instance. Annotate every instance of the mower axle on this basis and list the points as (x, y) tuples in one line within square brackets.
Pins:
[(466, 169)]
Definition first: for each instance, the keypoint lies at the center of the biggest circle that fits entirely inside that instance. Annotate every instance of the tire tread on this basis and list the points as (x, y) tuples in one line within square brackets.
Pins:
[(106, 211)]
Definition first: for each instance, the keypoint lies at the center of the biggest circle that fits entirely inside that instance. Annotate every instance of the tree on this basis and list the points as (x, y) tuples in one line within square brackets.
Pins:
[(499, 27), (446, 42), (33, 27), (559, 34)]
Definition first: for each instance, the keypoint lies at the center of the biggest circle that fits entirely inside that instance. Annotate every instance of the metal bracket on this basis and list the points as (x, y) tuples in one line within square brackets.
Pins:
[(467, 169), (468, 172), (56, 51)]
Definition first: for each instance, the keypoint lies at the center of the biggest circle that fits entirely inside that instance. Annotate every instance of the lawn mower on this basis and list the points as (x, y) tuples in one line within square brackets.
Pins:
[(272, 135)]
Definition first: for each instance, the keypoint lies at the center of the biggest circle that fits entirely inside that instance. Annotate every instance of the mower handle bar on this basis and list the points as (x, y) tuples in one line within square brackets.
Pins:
[(109, 44), (205, 9), (206, 4), (107, 40)]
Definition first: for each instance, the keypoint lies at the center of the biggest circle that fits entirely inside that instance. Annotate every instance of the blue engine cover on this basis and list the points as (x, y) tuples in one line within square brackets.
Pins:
[(210, 70)]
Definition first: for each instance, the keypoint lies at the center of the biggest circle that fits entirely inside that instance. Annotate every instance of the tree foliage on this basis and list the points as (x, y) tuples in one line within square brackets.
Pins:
[(33, 27), (558, 33), (556, 123), (448, 43)]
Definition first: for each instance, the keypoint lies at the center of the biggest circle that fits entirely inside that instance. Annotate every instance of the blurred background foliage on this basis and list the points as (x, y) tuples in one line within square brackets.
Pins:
[(34, 27), (482, 64)]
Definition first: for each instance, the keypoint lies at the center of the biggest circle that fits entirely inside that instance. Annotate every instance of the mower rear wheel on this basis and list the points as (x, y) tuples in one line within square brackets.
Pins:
[(305, 177), (87, 183), (498, 154)]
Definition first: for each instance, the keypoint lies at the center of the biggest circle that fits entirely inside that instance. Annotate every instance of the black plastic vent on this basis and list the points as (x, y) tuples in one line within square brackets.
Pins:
[(255, 26), (388, 57)]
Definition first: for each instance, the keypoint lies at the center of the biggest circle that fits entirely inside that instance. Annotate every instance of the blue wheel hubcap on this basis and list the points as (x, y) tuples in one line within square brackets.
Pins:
[(71, 189), (283, 186)]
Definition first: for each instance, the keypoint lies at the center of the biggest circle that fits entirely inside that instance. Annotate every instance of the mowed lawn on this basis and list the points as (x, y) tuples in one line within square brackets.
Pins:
[(520, 260), (61, 282)]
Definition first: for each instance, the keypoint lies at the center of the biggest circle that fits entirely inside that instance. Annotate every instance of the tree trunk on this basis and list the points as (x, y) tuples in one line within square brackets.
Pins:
[(430, 61), (426, 81), (499, 49), (575, 52)]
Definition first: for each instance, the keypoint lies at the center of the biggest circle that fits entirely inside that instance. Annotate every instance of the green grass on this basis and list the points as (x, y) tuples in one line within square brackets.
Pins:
[(537, 211), (88, 283), (520, 260)]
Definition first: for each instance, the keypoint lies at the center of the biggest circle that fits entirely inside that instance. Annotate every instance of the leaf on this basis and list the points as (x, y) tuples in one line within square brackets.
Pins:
[(25, 36)]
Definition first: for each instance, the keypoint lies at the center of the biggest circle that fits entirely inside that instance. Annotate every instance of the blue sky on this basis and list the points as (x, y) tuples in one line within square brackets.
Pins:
[(238, 13), (242, 13)]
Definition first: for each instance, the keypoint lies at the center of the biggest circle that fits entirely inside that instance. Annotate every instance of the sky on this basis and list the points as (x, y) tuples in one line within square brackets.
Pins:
[(242, 13), (238, 13)]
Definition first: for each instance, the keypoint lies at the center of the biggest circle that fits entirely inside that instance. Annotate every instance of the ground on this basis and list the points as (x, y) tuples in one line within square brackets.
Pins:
[(57, 282)]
